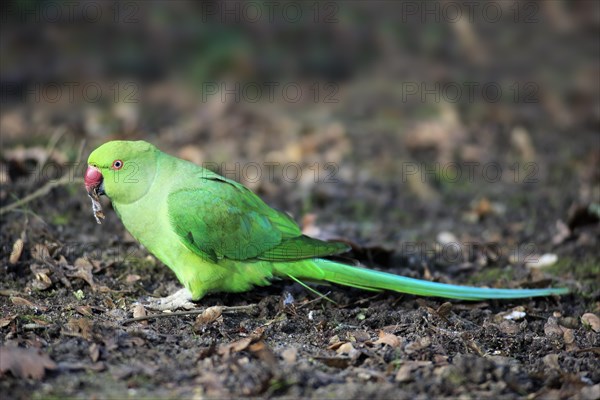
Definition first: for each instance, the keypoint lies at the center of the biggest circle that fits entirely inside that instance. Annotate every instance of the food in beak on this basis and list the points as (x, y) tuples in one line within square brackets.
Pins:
[(94, 187)]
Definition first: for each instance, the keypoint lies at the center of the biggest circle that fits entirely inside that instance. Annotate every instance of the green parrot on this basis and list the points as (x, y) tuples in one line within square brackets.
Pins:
[(218, 236)]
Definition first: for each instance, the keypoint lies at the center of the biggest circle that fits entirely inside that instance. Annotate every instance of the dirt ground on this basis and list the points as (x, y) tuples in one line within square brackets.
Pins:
[(66, 296)]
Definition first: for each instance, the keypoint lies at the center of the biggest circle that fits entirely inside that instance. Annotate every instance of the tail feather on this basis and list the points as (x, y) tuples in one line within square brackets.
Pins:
[(368, 279)]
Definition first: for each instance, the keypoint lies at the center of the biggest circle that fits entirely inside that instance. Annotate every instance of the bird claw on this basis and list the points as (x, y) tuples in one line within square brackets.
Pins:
[(180, 299)]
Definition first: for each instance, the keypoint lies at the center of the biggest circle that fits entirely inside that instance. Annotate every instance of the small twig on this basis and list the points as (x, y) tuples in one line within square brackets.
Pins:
[(54, 139), (44, 190), (182, 313), (321, 297)]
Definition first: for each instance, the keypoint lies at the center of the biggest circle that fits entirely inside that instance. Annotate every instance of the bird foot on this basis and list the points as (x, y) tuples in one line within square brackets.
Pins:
[(180, 299)]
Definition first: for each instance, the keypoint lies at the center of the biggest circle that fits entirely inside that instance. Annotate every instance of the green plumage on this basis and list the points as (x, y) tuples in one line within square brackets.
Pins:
[(218, 236)]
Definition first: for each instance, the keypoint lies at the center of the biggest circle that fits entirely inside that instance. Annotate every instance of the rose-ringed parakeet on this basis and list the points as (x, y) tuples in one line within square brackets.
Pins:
[(218, 236)]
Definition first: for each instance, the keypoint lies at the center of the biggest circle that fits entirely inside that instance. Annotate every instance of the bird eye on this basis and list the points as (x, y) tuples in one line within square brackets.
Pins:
[(117, 164)]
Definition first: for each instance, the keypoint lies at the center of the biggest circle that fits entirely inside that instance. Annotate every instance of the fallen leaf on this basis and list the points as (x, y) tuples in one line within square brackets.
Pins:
[(40, 252), (16, 252), (42, 280), (209, 315), (592, 321), (84, 310), (25, 363), (264, 353), (140, 311), (242, 344), (19, 301), (234, 347), (388, 339), (404, 373), (7, 320), (83, 270), (346, 348), (79, 327)]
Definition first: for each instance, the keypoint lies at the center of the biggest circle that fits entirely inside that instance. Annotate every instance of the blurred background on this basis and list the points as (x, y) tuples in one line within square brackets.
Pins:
[(382, 122)]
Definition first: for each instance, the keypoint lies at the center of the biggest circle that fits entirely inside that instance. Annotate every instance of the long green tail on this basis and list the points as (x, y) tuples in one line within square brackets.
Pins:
[(368, 279)]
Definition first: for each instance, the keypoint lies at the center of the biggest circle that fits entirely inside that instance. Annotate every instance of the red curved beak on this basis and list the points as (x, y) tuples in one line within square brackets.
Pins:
[(93, 180)]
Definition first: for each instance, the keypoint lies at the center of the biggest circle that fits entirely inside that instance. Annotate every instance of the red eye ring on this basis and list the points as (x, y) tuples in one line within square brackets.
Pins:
[(117, 165)]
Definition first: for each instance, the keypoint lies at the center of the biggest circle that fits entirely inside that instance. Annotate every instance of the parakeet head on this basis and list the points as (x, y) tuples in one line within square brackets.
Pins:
[(123, 170)]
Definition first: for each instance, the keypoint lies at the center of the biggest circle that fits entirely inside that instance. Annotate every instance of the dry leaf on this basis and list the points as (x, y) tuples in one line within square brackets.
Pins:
[(83, 270), (348, 349), (345, 348), (84, 310), (335, 345), (16, 252), (404, 374), (388, 339), (40, 252), (139, 311), (264, 353), (42, 280), (592, 321), (209, 315), (19, 301), (234, 347), (7, 320), (242, 344), (24, 363), (79, 327)]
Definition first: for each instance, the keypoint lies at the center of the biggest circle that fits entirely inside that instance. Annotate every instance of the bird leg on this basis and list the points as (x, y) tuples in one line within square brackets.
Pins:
[(180, 299)]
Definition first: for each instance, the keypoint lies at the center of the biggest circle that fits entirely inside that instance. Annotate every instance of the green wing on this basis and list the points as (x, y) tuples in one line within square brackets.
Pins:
[(220, 218)]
